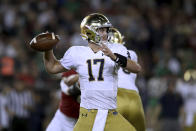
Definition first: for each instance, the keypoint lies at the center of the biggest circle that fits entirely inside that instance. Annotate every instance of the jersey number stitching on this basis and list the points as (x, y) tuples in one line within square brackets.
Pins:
[(95, 61)]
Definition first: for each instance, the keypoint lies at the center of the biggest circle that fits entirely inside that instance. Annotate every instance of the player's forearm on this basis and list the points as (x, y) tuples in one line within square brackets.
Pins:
[(133, 66), (73, 80), (50, 62), (127, 63)]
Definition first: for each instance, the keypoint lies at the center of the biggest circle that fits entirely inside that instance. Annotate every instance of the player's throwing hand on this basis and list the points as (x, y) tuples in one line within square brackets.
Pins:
[(107, 51)]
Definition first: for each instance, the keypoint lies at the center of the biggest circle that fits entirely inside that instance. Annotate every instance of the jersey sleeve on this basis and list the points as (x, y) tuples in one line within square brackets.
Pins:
[(133, 55), (69, 59)]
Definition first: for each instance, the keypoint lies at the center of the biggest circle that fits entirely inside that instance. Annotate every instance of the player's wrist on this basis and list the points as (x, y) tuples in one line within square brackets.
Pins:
[(113, 57), (120, 59)]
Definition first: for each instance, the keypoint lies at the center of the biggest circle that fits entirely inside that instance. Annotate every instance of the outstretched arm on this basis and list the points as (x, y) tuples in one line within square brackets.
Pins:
[(133, 66), (124, 62), (52, 65)]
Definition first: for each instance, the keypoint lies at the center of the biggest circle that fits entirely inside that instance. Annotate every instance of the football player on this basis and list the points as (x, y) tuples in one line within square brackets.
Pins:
[(129, 103), (66, 116), (97, 66)]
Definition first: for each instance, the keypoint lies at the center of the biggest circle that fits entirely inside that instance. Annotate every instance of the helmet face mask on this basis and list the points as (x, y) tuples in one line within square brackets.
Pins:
[(90, 24), (115, 36)]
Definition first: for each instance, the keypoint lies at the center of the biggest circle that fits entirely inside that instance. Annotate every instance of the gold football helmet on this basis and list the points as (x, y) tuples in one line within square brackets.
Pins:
[(90, 24), (115, 36)]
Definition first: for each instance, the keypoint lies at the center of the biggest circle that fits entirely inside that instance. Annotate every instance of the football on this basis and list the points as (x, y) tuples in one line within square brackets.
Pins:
[(44, 41)]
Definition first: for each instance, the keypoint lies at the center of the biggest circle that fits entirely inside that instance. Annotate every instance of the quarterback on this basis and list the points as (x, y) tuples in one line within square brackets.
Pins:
[(128, 100), (97, 66)]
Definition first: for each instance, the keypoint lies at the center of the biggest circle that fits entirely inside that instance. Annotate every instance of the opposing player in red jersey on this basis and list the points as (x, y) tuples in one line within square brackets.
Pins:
[(68, 112)]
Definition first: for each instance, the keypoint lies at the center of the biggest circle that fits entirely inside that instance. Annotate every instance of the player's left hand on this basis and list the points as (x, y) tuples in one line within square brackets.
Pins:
[(107, 51)]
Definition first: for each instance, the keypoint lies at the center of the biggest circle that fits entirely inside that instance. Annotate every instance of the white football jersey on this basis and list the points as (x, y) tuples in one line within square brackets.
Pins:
[(126, 79), (97, 75)]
